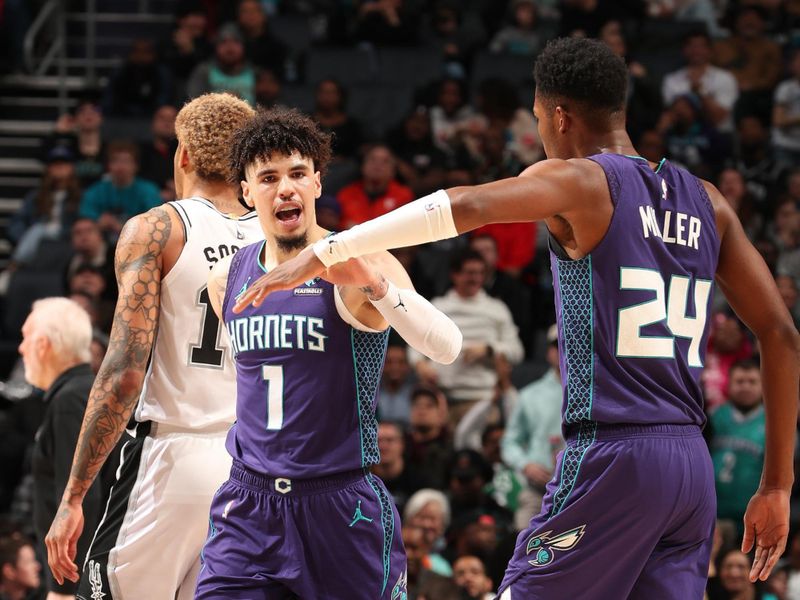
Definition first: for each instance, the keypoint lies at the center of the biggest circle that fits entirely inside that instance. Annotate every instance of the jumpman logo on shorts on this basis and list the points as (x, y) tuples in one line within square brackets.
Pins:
[(357, 516), (400, 303)]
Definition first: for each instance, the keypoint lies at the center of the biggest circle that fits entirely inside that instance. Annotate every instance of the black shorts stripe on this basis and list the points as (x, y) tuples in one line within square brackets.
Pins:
[(94, 577)]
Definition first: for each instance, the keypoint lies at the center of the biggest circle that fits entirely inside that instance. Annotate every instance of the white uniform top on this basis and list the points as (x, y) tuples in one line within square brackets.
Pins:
[(191, 382)]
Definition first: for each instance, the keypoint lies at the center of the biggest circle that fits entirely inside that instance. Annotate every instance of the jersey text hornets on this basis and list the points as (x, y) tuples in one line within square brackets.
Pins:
[(265, 332)]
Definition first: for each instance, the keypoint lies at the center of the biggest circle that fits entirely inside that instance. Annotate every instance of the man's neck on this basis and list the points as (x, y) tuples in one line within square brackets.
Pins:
[(223, 196), (54, 371), (615, 141), (275, 255)]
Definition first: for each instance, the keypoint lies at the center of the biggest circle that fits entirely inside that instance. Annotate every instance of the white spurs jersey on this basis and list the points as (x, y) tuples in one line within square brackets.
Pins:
[(191, 380)]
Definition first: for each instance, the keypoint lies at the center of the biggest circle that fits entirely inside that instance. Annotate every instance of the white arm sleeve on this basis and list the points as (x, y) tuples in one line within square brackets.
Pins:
[(421, 324), (428, 219)]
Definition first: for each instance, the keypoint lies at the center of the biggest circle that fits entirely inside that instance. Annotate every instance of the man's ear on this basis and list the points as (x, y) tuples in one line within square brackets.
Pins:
[(246, 195), (563, 119), (183, 159), (42, 344)]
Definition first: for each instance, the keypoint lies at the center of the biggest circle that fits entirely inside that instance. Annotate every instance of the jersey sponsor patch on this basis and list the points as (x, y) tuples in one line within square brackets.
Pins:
[(307, 291)]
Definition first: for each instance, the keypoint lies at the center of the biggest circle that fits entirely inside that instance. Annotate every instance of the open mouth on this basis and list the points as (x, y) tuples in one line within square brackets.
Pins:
[(287, 215)]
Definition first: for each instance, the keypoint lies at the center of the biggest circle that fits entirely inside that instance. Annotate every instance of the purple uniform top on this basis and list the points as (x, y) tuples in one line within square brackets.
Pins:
[(306, 380), (633, 314)]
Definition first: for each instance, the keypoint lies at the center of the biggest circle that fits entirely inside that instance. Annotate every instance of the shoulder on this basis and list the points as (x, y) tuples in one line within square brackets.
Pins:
[(575, 174), (723, 212), (151, 230)]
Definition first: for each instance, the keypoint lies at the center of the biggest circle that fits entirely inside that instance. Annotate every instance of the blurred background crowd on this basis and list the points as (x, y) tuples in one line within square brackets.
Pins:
[(420, 95)]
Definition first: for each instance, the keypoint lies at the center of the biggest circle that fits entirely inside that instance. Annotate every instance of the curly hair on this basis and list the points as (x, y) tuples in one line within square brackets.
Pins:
[(281, 131), (584, 71), (205, 126)]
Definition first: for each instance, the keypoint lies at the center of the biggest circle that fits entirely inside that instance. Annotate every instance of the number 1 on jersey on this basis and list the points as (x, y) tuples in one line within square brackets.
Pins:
[(273, 375)]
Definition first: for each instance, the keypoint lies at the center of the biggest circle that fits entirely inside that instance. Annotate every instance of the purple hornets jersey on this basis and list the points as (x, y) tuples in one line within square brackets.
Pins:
[(306, 380), (633, 314)]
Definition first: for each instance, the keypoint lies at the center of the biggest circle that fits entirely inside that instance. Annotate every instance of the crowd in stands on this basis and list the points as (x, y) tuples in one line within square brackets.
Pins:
[(466, 449)]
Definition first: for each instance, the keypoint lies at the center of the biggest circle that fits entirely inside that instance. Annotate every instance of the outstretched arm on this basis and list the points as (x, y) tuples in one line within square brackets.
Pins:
[(749, 287), (138, 264), (542, 191), (380, 294)]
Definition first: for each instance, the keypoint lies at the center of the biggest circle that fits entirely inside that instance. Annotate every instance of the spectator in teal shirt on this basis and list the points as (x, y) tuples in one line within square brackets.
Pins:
[(737, 441), (120, 195), (533, 433)]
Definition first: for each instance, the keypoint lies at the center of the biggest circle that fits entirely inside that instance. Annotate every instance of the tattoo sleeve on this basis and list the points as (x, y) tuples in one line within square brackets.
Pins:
[(118, 383)]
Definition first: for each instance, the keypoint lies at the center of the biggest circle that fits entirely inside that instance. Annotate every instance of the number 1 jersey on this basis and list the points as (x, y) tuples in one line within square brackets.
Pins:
[(306, 379), (633, 314), (190, 380)]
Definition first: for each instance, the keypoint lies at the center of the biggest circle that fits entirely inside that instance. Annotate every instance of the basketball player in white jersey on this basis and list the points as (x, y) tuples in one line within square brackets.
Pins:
[(168, 364)]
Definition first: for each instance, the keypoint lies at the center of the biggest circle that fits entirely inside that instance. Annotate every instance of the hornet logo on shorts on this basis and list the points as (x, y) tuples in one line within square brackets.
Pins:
[(543, 545), (399, 590)]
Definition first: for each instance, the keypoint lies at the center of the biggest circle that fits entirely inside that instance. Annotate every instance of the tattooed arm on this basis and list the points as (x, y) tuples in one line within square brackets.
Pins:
[(139, 264)]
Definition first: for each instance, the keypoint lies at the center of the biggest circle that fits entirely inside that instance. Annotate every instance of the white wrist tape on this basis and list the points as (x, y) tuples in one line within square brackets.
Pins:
[(421, 324), (428, 219)]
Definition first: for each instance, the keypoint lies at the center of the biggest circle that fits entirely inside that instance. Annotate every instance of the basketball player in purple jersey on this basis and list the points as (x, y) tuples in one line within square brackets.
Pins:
[(301, 516), (634, 249)]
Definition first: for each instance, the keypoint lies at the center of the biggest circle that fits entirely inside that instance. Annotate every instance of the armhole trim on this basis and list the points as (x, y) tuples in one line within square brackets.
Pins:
[(347, 316), (184, 216)]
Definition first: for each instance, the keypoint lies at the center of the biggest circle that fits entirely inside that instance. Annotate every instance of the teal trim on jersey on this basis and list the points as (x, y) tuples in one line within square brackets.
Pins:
[(591, 335), (576, 285), (358, 395), (571, 465), (369, 351), (258, 257), (387, 526), (212, 531), (574, 279), (660, 163)]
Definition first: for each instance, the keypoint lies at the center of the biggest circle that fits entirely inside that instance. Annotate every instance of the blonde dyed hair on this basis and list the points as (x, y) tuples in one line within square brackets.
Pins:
[(205, 127)]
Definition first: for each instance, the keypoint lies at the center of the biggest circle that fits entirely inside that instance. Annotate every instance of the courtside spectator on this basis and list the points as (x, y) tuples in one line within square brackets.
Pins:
[(113, 201)]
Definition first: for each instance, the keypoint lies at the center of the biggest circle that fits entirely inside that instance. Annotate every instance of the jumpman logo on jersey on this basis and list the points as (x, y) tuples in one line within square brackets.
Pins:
[(400, 303), (357, 516), (244, 288)]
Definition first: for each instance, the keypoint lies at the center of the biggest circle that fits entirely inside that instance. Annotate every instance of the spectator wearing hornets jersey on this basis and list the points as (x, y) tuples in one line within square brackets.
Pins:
[(301, 515), (737, 435), (179, 386)]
